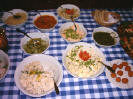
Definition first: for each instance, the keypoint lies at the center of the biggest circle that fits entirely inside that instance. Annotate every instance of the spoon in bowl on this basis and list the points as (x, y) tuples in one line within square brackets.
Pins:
[(35, 41), (15, 16), (108, 67), (73, 22)]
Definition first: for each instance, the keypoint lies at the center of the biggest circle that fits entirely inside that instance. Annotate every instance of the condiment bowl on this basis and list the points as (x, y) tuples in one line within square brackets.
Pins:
[(34, 35), (80, 34), (113, 37), (4, 64), (45, 21), (49, 63), (8, 18), (65, 11)]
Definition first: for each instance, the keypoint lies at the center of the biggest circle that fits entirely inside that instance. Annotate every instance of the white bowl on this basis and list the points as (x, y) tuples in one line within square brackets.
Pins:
[(14, 11), (67, 6), (107, 30), (34, 35), (49, 63), (45, 13), (67, 25), (5, 62), (96, 51)]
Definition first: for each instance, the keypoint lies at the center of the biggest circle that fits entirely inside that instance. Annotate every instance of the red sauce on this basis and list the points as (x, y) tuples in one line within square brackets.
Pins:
[(45, 22)]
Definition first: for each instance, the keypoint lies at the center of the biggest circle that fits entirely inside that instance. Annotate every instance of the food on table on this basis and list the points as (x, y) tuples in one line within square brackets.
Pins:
[(71, 35), (125, 31), (68, 11), (105, 18), (83, 61), (3, 64), (35, 47), (120, 73), (104, 38), (3, 68), (35, 80), (11, 20), (45, 22), (124, 80), (3, 39), (122, 77), (118, 79)]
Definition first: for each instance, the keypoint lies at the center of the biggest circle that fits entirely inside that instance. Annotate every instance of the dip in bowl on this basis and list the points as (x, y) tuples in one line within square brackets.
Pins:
[(67, 31), (105, 37), (45, 21), (30, 47), (11, 21)]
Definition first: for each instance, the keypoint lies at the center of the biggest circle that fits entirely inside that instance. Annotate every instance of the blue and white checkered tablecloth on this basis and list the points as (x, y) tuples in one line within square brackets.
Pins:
[(70, 87)]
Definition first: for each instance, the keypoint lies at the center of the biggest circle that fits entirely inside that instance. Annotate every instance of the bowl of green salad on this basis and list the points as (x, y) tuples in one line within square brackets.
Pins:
[(38, 44)]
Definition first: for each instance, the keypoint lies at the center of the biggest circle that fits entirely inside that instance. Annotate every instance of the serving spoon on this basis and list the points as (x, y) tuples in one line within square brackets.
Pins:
[(108, 67), (35, 41), (73, 23)]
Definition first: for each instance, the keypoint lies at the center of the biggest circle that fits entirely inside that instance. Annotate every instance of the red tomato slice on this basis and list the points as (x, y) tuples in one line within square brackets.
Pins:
[(84, 55)]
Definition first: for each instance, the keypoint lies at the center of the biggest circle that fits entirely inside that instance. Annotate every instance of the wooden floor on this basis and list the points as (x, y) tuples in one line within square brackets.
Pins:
[(53, 4)]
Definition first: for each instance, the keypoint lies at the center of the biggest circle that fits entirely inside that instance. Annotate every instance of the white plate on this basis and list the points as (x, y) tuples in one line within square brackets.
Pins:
[(49, 61), (68, 6), (125, 75), (25, 39), (100, 54), (67, 25), (5, 59), (108, 30), (6, 15)]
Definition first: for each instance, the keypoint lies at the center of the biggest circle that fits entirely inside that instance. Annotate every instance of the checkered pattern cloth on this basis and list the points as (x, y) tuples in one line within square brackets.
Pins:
[(70, 87)]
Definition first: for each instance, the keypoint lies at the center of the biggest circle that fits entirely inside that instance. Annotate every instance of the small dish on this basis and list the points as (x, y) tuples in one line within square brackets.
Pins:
[(45, 21), (8, 18), (105, 37), (48, 63), (78, 60), (72, 37), (123, 76), (25, 40), (65, 11), (4, 64)]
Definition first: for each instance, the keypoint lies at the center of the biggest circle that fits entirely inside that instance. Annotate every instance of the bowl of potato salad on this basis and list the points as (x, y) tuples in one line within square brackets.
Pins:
[(82, 60)]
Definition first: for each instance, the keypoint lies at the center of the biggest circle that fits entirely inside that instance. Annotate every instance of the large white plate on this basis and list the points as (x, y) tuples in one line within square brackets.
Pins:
[(125, 75), (100, 54), (49, 61)]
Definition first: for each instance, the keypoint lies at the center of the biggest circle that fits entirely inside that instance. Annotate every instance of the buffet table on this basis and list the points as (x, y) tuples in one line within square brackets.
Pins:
[(70, 87)]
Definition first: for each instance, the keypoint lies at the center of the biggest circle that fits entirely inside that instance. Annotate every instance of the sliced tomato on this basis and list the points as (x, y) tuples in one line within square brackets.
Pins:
[(84, 55)]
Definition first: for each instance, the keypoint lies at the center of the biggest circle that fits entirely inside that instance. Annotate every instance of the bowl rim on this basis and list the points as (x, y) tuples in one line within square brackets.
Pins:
[(70, 24), (72, 5), (38, 34), (109, 30), (14, 11), (45, 13), (70, 46), (21, 65), (8, 60)]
